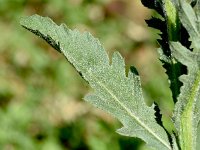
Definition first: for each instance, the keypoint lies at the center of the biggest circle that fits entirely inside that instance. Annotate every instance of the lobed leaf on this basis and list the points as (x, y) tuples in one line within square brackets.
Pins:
[(187, 109), (114, 92), (190, 18), (170, 28)]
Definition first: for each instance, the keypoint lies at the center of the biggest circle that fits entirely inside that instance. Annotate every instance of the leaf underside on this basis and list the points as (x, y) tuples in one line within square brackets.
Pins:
[(114, 92)]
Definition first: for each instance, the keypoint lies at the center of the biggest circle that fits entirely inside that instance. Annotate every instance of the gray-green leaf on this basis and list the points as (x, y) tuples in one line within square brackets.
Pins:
[(114, 92), (187, 109), (190, 18)]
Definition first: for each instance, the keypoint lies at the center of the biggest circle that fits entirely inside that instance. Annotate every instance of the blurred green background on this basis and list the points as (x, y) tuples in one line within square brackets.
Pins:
[(41, 106)]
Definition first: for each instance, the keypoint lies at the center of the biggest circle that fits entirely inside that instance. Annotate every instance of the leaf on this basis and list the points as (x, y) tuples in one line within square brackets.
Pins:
[(191, 21), (174, 70), (114, 92), (170, 28), (197, 9), (175, 142), (187, 109), (158, 115), (158, 118)]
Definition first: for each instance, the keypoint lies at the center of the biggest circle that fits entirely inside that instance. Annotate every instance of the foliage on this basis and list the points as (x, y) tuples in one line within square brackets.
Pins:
[(121, 94), (40, 110), (113, 91)]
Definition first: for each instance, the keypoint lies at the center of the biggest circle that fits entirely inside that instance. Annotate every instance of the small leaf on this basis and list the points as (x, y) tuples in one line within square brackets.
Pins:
[(114, 92), (191, 21)]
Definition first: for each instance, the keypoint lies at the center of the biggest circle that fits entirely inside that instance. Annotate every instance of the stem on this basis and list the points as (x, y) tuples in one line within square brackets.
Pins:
[(173, 31), (173, 23), (187, 128)]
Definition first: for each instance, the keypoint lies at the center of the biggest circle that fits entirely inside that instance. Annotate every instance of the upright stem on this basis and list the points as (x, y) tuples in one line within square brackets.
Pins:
[(173, 23)]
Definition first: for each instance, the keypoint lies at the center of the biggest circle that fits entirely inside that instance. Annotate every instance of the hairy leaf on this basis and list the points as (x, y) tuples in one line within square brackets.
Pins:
[(114, 92), (175, 143), (158, 118), (187, 109), (191, 21), (170, 28)]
